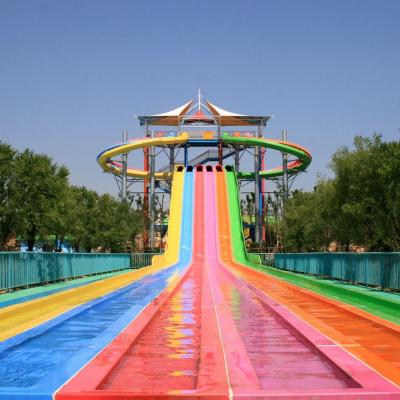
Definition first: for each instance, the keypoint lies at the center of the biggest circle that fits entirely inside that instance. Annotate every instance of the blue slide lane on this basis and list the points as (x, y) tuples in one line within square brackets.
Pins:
[(34, 364)]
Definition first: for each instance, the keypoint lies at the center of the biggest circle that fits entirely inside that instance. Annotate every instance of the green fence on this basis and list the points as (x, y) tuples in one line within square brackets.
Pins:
[(24, 269), (140, 260), (369, 269)]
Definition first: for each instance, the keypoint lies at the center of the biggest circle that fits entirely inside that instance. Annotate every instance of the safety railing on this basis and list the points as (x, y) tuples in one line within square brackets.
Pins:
[(204, 134), (22, 269), (140, 260), (380, 270)]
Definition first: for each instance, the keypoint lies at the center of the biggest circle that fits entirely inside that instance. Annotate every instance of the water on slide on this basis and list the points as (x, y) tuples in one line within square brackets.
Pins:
[(166, 355)]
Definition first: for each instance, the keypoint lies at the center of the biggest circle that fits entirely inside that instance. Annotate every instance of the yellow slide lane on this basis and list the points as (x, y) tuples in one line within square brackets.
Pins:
[(171, 254), (23, 316), (20, 317)]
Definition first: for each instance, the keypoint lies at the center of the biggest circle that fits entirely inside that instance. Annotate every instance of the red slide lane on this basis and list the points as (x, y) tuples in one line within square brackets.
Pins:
[(177, 353)]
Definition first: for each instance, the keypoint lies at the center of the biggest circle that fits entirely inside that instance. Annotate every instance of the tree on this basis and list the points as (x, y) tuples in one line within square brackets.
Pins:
[(367, 185), (359, 206), (84, 226), (39, 188), (117, 222), (8, 218)]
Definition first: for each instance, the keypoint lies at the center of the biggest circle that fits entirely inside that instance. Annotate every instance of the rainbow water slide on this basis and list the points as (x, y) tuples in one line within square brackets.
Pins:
[(204, 321), (217, 333)]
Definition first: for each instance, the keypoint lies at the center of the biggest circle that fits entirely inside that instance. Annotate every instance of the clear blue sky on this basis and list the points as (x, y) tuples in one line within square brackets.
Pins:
[(74, 73)]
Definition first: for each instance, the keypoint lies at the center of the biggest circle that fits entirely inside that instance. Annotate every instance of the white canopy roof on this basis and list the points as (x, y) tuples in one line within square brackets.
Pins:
[(228, 118), (221, 117), (167, 118)]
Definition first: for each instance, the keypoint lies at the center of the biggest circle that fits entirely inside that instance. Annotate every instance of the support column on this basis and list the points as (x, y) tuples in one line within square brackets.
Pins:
[(152, 195), (220, 153), (257, 193), (171, 163), (257, 184), (264, 215), (185, 155), (146, 186), (285, 180), (171, 159), (237, 158), (124, 186), (220, 157)]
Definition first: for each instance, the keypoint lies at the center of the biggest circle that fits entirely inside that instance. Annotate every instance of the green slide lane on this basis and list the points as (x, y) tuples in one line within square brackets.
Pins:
[(381, 304), (240, 254), (384, 305)]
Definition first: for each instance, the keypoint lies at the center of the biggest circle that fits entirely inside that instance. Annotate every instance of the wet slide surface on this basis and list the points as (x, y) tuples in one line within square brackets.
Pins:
[(35, 363), (281, 358), (370, 338), (30, 361), (165, 356), (277, 356), (374, 342), (215, 334), (207, 327)]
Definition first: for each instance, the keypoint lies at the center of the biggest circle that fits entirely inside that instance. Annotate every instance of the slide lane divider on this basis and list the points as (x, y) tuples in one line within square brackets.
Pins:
[(372, 384)]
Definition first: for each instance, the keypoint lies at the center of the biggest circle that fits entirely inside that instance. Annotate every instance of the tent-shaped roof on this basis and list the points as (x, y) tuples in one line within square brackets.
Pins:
[(219, 115), (228, 118), (170, 118)]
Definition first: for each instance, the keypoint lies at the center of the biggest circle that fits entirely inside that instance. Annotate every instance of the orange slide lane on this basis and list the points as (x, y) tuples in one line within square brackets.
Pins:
[(369, 338)]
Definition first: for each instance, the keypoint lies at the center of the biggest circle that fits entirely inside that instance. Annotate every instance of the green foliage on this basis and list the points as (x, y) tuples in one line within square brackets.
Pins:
[(307, 223), (37, 203), (359, 206), (8, 219), (39, 189)]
